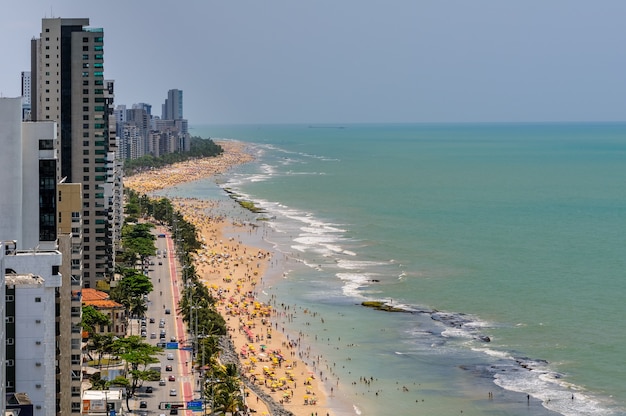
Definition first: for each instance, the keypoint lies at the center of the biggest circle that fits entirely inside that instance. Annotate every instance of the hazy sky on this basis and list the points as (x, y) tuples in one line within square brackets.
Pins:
[(340, 61)]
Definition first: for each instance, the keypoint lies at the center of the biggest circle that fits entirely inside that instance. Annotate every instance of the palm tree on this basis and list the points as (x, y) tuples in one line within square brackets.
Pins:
[(225, 388)]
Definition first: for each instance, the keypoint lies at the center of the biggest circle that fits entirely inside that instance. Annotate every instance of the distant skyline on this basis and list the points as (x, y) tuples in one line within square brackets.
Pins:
[(329, 61)]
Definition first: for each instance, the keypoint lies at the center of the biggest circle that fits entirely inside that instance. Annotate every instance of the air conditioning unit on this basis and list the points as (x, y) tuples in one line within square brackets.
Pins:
[(38, 407), (38, 321), (38, 364), (38, 386), (38, 342)]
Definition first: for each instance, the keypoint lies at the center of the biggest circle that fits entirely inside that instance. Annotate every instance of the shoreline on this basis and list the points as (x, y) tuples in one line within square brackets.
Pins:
[(234, 271)]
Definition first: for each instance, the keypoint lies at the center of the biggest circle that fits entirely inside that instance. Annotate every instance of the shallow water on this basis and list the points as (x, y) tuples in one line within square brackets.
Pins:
[(512, 232)]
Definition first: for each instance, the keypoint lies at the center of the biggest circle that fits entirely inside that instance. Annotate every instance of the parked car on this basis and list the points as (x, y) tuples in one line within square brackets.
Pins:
[(153, 335), (167, 312), (160, 263), (170, 356), (144, 334), (149, 389), (143, 404), (151, 320)]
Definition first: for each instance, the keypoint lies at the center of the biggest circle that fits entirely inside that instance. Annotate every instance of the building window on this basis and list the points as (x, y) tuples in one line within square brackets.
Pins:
[(10, 363), (37, 299), (9, 298), (10, 341), (46, 144), (9, 319)]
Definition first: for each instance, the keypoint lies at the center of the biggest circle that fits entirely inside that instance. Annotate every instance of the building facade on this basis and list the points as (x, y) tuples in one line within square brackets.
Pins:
[(32, 281), (67, 66)]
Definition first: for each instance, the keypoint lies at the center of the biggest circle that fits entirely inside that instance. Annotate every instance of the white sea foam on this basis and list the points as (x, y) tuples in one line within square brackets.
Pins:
[(353, 282), (358, 264), (456, 333)]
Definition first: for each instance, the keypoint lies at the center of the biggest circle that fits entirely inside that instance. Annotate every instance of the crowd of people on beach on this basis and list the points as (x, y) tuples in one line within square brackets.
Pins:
[(234, 273)]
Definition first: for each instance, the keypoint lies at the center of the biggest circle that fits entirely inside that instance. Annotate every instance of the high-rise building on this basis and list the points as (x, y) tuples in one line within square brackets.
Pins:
[(3, 378), (173, 107), (26, 81), (68, 320), (67, 65), (30, 272)]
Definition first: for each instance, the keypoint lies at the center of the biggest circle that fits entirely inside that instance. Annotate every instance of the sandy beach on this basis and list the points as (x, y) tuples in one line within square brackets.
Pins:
[(234, 272)]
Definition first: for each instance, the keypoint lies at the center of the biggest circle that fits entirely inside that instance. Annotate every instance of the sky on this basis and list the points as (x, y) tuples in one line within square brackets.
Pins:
[(349, 61)]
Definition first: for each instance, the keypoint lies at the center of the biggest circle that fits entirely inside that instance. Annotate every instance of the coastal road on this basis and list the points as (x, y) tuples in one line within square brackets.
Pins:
[(162, 307)]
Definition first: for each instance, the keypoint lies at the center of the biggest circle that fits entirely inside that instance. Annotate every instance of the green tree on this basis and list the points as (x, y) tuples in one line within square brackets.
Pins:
[(130, 292), (92, 318), (138, 241), (225, 388), (137, 355), (102, 344)]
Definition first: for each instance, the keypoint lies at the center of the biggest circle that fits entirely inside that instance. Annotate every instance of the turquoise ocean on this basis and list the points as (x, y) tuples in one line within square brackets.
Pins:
[(505, 245)]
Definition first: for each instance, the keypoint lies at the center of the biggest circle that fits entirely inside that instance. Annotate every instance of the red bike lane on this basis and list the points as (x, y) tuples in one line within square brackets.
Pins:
[(184, 357)]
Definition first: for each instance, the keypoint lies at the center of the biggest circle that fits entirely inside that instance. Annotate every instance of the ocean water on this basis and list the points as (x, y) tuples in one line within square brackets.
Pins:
[(504, 245)]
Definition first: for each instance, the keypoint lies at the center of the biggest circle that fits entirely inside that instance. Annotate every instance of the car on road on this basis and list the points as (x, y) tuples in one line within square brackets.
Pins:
[(151, 320), (160, 263), (168, 368), (173, 339), (173, 392), (173, 411), (162, 324), (162, 382), (149, 389), (170, 356), (152, 335), (167, 312), (172, 378), (162, 336), (161, 344), (143, 404)]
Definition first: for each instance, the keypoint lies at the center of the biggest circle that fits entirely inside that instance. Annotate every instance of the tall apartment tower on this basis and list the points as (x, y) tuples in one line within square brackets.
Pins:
[(26, 82), (68, 86), (31, 269), (173, 107)]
